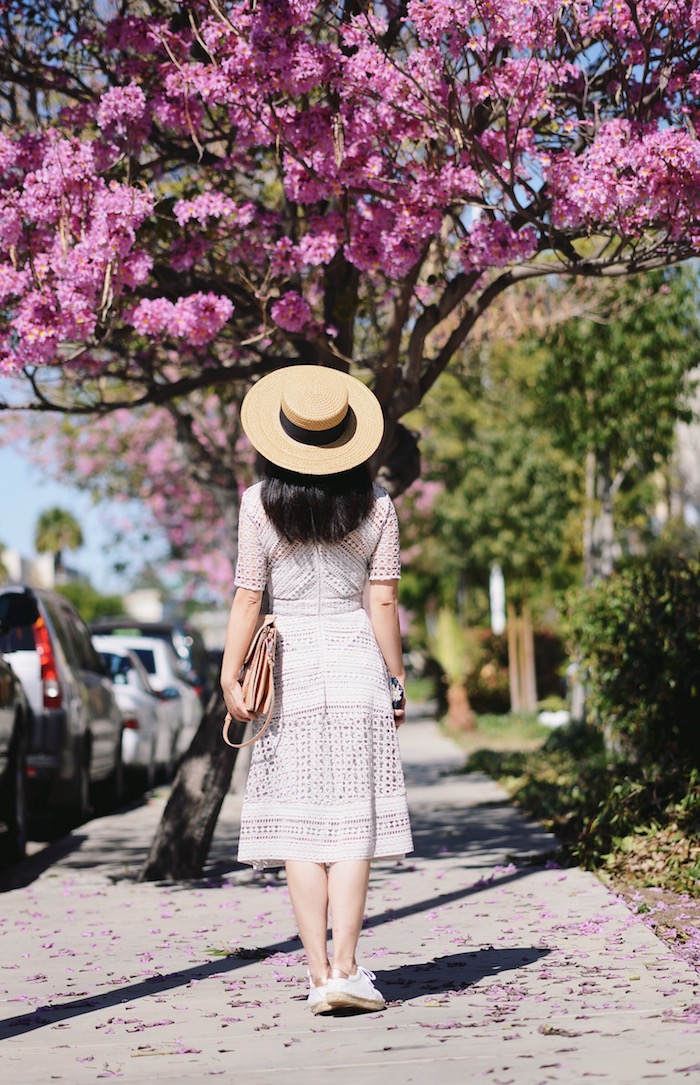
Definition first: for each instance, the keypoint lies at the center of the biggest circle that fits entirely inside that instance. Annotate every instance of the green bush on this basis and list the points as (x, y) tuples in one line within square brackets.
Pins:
[(640, 824), (637, 639)]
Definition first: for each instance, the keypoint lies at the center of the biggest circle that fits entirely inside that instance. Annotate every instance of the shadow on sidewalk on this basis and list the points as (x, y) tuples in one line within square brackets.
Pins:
[(488, 961), (28, 870), (455, 972), (400, 984)]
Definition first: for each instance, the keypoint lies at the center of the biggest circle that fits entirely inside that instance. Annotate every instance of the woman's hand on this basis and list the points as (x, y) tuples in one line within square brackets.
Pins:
[(233, 698)]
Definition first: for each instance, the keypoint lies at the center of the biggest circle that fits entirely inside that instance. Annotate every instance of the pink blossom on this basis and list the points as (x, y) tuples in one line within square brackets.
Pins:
[(291, 312), (8, 153), (12, 282), (136, 267), (197, 318), (207, 205), (318, 247), (152, 315), (122, 108), (497, 244)]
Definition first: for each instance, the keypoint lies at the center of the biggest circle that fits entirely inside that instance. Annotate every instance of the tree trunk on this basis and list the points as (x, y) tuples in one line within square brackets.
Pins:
[(529, 677), (460, 716), (605, 527), (183, 837), (182, 841), (589, 518), (521, 660)]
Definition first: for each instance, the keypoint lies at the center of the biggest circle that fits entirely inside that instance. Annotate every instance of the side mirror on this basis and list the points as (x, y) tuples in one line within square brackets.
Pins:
[(17, 609), (169, 693)]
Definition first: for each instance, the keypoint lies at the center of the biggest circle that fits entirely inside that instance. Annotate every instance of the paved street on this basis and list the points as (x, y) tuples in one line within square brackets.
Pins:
[(497, 969)]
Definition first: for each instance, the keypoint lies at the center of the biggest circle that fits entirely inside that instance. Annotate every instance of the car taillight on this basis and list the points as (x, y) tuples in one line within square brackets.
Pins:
[(130, 723), (49, 672)]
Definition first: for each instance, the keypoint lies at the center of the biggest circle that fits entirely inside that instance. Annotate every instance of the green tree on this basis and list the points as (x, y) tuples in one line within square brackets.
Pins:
[(57, 530), (612, 388), (89, 602), (498, 493)]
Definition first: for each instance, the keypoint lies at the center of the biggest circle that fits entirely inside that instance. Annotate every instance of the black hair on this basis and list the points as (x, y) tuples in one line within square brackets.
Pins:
[(317, 508)]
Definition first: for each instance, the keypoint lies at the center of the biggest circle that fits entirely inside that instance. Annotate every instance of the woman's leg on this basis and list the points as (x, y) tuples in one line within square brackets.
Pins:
[(347, 891), (308, 889)]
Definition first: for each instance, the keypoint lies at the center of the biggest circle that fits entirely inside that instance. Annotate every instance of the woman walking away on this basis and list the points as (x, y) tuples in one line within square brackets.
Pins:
[(325, 792)]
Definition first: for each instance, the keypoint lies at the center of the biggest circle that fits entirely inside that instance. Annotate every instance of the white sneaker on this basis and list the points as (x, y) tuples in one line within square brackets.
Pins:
[(317, 998), (357, 991)]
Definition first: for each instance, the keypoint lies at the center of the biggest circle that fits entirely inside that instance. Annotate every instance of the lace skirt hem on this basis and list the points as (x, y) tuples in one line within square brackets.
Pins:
[(270, 837)]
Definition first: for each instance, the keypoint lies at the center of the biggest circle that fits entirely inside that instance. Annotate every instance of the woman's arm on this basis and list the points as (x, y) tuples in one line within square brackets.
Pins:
[(243, 618), (383, 605)]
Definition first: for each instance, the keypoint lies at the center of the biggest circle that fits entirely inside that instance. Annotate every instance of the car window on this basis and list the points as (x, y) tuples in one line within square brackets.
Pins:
[(147, 657), (18, 640), (87, 649), (117, 667), (83, 652), (142, 676)]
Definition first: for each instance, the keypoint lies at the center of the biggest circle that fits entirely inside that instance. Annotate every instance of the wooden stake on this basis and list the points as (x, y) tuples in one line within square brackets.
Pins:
[(513, 665)]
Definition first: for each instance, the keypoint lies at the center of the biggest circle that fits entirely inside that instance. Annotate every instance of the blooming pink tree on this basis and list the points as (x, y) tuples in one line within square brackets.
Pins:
[(191, 197), (193, 194)]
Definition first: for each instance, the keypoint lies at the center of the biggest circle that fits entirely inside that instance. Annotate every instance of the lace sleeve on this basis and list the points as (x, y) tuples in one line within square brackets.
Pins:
[(251, 567), (385, 563)]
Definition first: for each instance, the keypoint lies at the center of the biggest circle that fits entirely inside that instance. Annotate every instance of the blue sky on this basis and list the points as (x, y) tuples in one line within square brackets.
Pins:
[(25, 492)]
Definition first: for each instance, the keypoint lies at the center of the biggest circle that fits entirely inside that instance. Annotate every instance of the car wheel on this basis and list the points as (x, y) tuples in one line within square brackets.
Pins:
[(18, 814), (116, 788), (141, 778), (82, 806), (151, 770)]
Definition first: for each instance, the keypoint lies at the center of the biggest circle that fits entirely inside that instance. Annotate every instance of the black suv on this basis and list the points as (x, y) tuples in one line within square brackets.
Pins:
[(16, 611), (74, 739)]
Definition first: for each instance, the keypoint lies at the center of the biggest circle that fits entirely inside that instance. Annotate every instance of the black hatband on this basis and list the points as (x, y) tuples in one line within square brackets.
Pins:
[(314, 436)]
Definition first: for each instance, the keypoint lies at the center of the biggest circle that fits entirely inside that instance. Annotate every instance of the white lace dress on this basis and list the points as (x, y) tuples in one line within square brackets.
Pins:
[(325, 781)]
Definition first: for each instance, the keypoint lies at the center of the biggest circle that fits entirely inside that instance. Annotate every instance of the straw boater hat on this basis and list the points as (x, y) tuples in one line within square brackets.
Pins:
[(312, 419)]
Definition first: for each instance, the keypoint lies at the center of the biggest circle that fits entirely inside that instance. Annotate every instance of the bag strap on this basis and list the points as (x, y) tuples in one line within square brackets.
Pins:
[(228, 720)]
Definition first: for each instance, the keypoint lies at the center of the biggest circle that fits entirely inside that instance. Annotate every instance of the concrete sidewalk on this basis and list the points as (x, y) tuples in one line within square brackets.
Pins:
[(495, 969)]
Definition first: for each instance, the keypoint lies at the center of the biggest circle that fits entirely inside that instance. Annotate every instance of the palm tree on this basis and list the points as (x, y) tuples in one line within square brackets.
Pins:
[(57, 530), (458, 652)]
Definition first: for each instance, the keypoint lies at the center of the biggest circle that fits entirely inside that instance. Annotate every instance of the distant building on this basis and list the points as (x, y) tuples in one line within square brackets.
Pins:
[(144, 605), (37, 572)]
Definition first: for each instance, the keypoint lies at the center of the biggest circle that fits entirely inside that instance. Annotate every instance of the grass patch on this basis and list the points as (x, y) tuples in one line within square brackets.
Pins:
[(639, 826), (420, 690), (503, 732)]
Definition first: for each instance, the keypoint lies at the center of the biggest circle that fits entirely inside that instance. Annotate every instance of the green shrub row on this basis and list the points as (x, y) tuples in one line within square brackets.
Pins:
[(636, 638), (641, 825)]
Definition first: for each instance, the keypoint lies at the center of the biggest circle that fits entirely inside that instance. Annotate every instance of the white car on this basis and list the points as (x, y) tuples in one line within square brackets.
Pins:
[(164, 673), (150, 729)]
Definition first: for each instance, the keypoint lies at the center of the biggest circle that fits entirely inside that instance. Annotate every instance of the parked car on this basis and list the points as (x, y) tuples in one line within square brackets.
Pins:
[(149, 733), (16, 611), (187, 643), (165, 676), (75, 726)]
